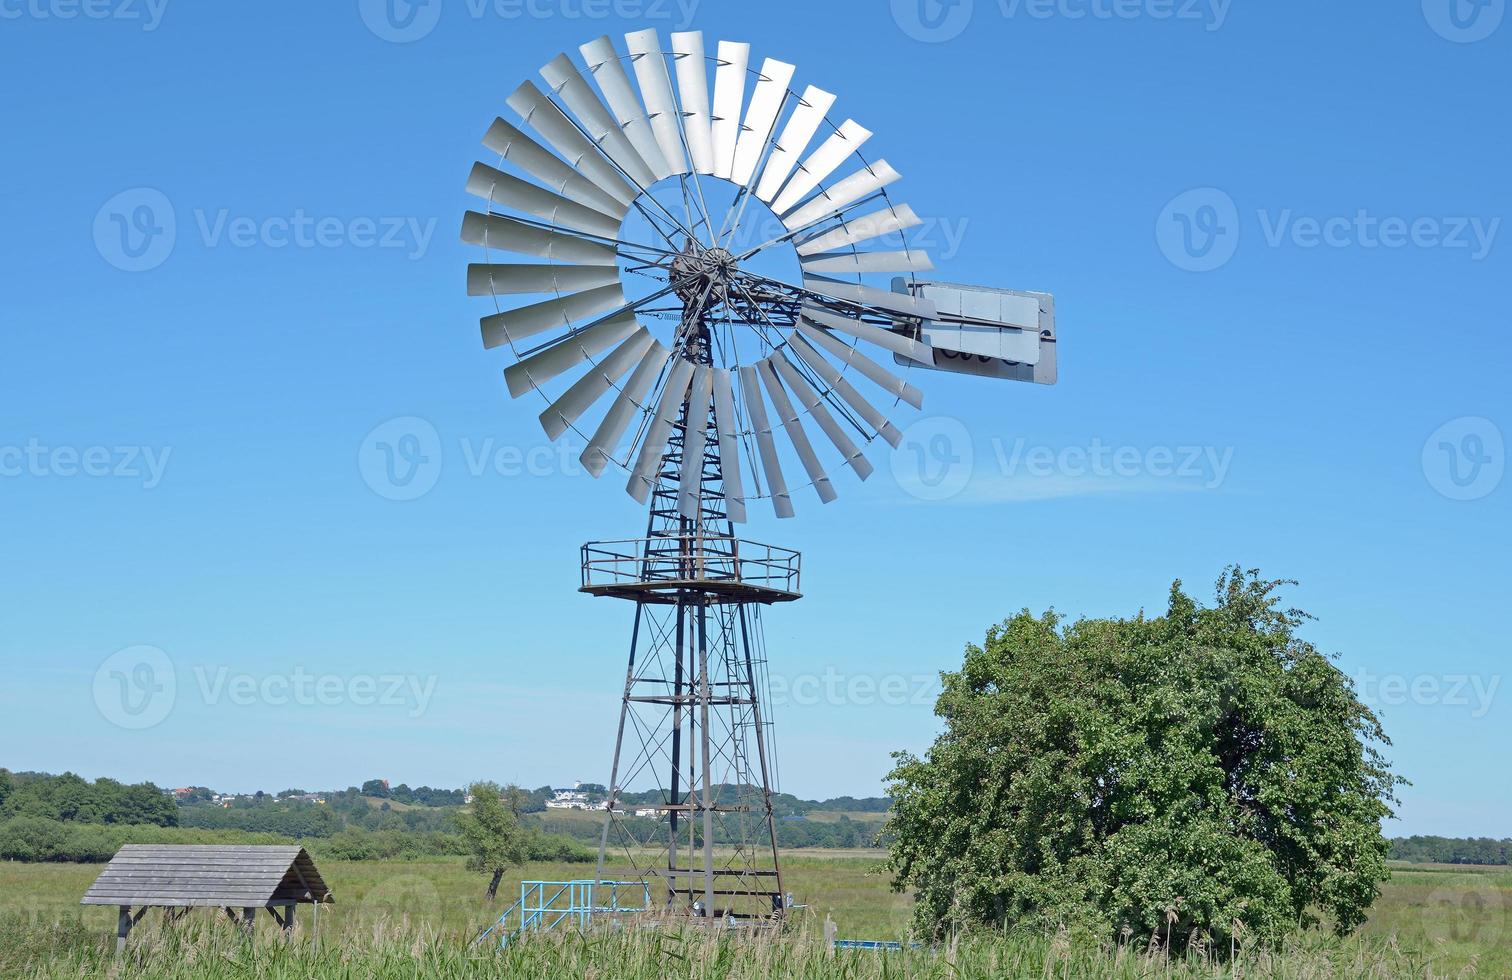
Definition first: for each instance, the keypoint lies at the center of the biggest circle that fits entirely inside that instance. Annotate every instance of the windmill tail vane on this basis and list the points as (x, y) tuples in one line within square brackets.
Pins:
[(713, 287)]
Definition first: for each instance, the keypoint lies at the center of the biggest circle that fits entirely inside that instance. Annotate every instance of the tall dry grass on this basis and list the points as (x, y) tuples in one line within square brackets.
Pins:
[(201, 947)]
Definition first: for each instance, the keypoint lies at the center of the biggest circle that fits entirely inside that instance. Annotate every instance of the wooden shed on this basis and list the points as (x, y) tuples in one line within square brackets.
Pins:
[(231, 877)]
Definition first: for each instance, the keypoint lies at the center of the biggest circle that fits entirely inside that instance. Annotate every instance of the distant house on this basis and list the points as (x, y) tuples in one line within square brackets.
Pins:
[(569, 799), (649, 811)]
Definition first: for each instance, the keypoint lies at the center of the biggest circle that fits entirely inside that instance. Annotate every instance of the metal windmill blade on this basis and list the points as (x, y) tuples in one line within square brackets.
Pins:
[(621, 207)]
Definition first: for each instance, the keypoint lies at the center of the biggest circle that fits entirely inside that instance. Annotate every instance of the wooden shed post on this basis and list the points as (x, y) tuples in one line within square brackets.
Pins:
[(123, 928), (288, 923), (249, 921)]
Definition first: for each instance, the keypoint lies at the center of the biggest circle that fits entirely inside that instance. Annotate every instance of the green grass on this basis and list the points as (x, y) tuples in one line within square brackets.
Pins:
[(443, 895), (833, 816), (414, 919)]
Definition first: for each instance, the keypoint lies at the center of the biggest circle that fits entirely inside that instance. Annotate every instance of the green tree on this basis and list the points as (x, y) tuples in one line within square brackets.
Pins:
[(491, 828), (1171, 776), (6, 786)]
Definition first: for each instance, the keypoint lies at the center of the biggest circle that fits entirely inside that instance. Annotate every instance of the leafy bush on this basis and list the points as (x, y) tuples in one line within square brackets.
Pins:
[(1167, 776), (69, 798), (41, 840)]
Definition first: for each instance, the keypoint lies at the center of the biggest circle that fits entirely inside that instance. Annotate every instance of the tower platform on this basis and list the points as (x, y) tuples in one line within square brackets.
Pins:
[(662, 569)]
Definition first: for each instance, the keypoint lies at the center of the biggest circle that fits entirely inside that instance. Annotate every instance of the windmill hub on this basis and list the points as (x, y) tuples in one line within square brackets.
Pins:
[(700, 271)]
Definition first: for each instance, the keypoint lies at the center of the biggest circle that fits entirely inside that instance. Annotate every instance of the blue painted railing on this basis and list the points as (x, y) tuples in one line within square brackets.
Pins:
[(886, 947), (548, 904)]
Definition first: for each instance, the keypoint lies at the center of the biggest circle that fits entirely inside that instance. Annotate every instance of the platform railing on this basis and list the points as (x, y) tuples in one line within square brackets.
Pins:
[(690, 558), (547, 904)]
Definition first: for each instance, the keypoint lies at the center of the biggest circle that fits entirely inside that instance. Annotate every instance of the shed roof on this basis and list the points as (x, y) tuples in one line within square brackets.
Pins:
[(238, 876)]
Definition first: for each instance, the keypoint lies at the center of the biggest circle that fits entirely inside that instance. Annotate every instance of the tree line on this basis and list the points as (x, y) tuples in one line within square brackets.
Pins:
[(71, 799), (1452, 850)]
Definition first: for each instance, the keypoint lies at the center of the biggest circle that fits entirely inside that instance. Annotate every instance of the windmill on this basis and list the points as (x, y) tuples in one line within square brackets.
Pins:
[(712, 286)]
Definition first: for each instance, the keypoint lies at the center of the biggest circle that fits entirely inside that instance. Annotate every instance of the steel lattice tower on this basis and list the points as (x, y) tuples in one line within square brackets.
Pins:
[(691, 720)]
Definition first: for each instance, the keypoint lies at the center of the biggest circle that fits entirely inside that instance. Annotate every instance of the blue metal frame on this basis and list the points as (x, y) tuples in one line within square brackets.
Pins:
[(880, 945), (547, 904)]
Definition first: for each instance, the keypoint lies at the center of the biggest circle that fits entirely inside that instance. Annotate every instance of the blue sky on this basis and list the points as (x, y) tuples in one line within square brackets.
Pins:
[(1273, 231)]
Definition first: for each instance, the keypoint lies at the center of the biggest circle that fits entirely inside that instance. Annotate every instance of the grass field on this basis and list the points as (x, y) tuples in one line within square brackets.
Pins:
[(1431, 921)]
